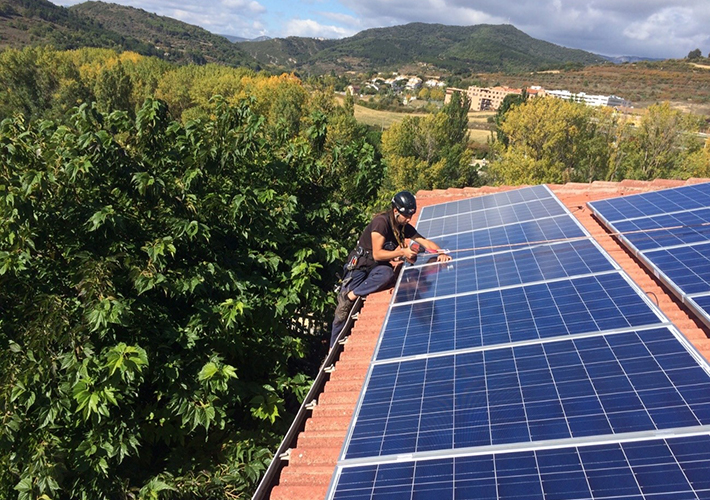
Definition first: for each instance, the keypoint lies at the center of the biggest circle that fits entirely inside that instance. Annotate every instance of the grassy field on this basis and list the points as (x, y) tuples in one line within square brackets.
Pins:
[(478, 122), (377, 118)]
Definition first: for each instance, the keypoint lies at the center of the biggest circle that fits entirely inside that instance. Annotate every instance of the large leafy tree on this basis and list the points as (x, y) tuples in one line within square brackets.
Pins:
[(552, 140), (661, 144), (432, 151), (150, 274)]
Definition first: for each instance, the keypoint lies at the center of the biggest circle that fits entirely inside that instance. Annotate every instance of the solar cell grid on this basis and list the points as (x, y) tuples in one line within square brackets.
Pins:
[(491, 217), (565, 307), (610, 384), (671, 469), (654, 203), (488, 201), (670, 231), (503, 269), (701, 302), (510, 236), (667, 230), (687, 267)]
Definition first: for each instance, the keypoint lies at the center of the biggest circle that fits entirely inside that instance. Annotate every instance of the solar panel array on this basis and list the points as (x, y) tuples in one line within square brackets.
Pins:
[(529, 367), (669, 231)]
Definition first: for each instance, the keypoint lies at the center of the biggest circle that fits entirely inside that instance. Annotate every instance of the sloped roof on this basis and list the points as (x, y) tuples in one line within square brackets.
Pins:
[(313, 460)]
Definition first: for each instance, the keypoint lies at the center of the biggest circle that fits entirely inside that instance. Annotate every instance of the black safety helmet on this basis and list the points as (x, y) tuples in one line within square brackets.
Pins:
[(405, 203)]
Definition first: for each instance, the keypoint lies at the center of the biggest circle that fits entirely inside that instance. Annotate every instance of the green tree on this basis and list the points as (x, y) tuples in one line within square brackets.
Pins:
[(349, 103), (553, 140), (113, 89), (695, 54), (33, 81), (430, 152), (509, 101), (661, 143), (150, 274)]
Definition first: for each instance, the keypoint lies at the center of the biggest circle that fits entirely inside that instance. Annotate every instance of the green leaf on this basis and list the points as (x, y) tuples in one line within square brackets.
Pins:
[(207, 372), (99, 218)]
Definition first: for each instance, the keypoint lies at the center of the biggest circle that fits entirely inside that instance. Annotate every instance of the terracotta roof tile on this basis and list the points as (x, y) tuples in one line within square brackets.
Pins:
[(314, 459)]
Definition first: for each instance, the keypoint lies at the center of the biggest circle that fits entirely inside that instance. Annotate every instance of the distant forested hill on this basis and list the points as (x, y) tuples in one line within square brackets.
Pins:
[(455, 49), (98, 24), (175, 40), (480, 48), (39, 22)]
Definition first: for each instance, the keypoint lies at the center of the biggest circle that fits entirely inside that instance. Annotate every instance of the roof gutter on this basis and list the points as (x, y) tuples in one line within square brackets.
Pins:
[(281, 457)]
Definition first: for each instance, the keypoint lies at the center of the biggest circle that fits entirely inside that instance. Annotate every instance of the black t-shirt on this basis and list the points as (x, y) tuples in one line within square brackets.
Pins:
[(381, 224)]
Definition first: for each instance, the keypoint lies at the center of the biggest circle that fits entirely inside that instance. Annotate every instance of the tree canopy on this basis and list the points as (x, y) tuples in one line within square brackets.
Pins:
[(152, 275), (554, 140), (431, 151)]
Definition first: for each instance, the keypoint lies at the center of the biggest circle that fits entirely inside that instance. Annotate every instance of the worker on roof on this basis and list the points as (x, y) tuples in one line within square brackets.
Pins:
[(369, 267)]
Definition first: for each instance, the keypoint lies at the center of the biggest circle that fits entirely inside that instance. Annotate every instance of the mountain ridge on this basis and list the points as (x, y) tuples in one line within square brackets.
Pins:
[(478, 48), (435, 47)]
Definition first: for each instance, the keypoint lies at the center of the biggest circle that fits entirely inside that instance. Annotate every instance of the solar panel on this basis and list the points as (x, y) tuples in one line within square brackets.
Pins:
[(529, 367), (669, 231), (511, 236), (491, 201), (600, 385), (490, 217), (665, 201), (503, 269), (582, 305), (669, 469)]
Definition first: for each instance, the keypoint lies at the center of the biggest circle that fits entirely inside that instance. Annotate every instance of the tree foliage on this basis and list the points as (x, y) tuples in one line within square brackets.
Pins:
[(150, 274), (695, 54), (553, 140), (661, 145), (431, 151)]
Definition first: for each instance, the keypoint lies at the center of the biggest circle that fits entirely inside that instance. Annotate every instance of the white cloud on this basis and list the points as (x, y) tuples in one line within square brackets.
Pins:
[(244, 5), (663, 23), (313, 29)]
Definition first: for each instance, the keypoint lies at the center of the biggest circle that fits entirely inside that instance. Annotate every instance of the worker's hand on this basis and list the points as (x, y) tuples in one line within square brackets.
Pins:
[(409, 254), (443, 257)]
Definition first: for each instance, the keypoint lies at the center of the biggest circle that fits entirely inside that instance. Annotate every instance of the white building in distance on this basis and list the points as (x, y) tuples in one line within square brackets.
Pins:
[(591, 100), (490, 98)]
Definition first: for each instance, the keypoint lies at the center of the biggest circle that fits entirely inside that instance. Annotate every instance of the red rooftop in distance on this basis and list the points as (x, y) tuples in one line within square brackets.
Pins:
[(313, 461)]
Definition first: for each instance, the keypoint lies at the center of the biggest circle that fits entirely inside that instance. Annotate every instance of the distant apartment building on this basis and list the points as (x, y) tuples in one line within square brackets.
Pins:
[(490, 98), (591, 100)]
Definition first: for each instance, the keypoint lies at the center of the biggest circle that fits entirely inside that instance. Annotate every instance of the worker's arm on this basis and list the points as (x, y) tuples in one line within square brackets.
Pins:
[(442, 257), (379, 253)]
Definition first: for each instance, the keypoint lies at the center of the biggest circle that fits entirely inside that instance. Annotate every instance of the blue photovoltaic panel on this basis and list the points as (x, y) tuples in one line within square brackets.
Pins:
[(665, 231), (505, 269), (479, 203), (510, 236), (655, 469), (530, 367), (601, 385), (670, 231), (654, 203), (688, 266), (566, 307), (490, 217), (701, 303)]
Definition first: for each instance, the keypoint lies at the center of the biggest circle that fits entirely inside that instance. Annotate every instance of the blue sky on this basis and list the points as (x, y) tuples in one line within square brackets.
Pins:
[(649, 28)]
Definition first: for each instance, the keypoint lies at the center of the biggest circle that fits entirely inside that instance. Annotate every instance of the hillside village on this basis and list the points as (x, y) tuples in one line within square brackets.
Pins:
[(408, 87)]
